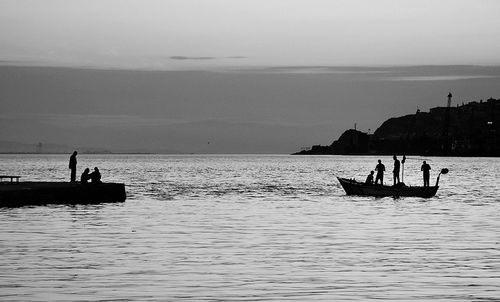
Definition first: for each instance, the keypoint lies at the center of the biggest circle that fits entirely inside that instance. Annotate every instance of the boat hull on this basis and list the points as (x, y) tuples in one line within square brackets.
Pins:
[(41, 193), (353, 187)]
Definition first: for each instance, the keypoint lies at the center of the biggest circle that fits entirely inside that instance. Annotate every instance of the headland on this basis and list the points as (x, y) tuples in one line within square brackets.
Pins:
[(471, 129)]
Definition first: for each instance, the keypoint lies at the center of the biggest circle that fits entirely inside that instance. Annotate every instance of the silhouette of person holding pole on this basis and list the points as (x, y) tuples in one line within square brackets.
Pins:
[(395, 172), (380, 172), (426, 169), (72, 166), (403, 170)]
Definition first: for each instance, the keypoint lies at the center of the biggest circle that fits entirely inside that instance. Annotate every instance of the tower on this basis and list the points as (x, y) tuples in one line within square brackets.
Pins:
[(446, 130)]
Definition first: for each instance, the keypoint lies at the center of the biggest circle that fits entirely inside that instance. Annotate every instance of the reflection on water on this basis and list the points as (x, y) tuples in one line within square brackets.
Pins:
[(248, 228)]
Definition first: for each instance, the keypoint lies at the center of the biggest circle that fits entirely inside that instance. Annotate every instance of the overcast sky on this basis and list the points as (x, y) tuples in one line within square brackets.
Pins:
[(234, 76), (172, 34)]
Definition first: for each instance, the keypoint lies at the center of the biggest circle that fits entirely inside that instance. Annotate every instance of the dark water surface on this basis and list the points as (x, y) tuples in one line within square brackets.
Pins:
[(253, 228)]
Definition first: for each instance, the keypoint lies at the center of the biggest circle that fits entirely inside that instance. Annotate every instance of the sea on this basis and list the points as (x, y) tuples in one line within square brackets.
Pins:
[(254, 228)]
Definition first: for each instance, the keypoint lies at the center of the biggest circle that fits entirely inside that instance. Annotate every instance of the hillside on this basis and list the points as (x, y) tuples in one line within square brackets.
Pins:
[(471, 129)]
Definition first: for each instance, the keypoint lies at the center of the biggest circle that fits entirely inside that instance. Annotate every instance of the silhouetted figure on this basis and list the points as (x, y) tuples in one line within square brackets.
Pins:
[(426, 169), (85, 176), (72, 166), (369, 178), (395, 172), (95, 176), (380, 172)]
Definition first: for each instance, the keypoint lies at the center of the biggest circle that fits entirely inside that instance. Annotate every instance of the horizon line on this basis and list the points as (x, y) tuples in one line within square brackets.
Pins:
[(269, 67)]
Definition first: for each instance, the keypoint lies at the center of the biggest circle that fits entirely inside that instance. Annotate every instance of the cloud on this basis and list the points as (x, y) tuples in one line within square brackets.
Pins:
[(438, 78), (94, 120), (182, 58), (335, 70), (191, 58)]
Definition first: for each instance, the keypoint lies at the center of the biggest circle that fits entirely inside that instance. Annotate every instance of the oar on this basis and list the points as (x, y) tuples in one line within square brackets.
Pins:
[(403, 173)]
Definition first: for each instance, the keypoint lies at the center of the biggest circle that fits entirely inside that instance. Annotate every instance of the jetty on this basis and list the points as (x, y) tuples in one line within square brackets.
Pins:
[(18, 193)]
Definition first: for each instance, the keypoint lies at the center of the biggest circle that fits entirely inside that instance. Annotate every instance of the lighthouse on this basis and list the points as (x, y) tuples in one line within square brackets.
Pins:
[(446, 130)]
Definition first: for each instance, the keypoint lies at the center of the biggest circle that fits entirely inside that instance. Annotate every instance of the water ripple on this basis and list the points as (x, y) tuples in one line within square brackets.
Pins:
[(254, 228)]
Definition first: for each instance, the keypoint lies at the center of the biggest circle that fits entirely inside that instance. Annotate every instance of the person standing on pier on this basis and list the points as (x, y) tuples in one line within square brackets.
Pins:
[(426, 169), (395, 172), (72, 166)]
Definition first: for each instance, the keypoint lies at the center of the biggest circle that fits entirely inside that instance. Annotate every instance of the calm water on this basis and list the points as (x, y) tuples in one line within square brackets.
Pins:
[(253, 228)]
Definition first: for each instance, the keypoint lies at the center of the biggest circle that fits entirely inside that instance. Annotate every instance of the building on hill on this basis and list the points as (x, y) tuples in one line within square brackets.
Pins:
[(471, 129)]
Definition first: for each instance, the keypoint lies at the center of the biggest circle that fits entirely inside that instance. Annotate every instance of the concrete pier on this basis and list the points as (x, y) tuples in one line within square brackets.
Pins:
[(15, 194)]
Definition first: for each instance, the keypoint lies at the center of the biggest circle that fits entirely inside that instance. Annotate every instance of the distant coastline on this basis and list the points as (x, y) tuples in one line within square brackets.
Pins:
[(9, 147), (471, 129)]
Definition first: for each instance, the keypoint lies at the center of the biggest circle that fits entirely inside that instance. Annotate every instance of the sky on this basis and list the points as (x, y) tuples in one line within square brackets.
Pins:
[(234, 76), (192, 34), (261, 110)]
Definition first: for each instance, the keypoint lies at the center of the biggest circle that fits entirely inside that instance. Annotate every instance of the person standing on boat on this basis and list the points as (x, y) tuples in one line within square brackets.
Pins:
[(72, 166), (380, 172), (395, 172), (426, 169)]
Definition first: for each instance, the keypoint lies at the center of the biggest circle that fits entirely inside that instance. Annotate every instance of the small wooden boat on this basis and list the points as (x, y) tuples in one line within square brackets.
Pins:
[(353, 187)]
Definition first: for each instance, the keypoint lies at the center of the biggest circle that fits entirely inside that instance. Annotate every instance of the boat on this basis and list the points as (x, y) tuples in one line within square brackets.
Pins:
[(353, 187), (16, 194)]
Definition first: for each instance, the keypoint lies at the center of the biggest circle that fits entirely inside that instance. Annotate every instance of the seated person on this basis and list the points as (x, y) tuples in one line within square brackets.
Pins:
[(95, 176), (85, 176), (369, 178)]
